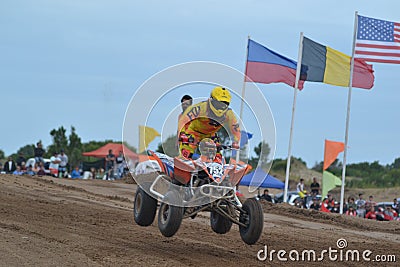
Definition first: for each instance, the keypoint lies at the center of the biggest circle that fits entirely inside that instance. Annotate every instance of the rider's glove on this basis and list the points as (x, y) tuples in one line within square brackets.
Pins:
[(235, 145), (218, 158)]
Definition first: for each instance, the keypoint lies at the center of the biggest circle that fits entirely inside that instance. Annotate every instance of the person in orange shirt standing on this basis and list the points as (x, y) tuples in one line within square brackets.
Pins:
[(186, 101)]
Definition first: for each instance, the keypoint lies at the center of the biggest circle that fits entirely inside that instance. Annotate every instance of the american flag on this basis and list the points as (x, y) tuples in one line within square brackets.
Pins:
[(378, 40)]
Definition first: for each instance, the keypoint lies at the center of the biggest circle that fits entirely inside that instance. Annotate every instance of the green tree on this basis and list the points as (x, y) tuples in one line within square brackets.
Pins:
[(28, 151), (263, 159), (168, 147), (279, 165), (93, 145), (60, 140), (72, 145), (395, 164), (132, 148), (318, 166), (2, 155), (392, 178), (74, 149)]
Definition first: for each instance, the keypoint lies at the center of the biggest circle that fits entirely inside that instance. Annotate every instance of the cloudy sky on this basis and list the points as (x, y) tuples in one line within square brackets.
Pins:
[(79, 63)]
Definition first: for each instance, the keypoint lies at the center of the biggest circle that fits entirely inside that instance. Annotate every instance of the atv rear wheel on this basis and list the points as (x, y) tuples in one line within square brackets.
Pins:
[(144, 208), (253, 218), (219, 223), (169, 216)]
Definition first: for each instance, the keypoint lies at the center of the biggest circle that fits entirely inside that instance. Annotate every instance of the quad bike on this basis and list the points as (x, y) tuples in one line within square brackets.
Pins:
[(186, 187)]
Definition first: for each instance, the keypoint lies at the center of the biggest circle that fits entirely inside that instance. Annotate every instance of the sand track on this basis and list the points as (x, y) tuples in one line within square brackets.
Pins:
[(61, 222)]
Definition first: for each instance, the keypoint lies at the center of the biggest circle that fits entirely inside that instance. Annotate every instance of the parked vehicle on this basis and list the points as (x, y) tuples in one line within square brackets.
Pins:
[(294, 196), (279, 197), (32, 161)]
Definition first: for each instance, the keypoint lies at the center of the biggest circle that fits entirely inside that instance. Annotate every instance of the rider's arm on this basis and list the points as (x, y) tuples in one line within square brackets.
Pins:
[(187, 116), (233, 125), (181, 122)]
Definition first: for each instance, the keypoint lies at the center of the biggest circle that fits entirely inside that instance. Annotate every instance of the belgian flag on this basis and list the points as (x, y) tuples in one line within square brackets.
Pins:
[(320, 63)]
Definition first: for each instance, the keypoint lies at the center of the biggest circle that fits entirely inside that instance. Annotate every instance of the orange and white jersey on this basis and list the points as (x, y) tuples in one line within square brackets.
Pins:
[(200, 121)]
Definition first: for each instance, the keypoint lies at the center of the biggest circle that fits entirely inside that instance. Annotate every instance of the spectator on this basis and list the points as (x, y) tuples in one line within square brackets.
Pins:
[(395, 215), (100, 174), (1, 168), (41, 170), (29, 171), (396, 206), (110, 159), (186, 101), (351, 211), (266, 196), (54, 163), (350, 203), (370, 203), (62, 168), (35, 167), (300, 186), (75, 174), (388, 213), (297, 203), (18, 171), (315, 204), (21, 159), (380, 216), (94, 172), (371, 214), (120, 164), (39, 152), (360, 203), (330, 203), (336, 207), (314, 187), (10, 166), (89, 174), (23, 166)]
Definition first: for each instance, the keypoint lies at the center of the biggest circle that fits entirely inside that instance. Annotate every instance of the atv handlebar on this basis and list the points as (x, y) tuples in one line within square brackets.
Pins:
[(231, 147)]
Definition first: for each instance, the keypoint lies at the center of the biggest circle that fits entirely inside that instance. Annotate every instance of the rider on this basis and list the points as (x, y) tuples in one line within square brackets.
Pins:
[(208, 150), (205, 119)]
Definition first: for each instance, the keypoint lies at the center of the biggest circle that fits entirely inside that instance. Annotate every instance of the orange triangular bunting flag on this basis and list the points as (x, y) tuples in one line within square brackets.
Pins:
[(332, 149)]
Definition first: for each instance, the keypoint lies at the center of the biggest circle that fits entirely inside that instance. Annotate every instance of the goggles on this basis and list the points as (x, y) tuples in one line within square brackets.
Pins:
[(219, 105)]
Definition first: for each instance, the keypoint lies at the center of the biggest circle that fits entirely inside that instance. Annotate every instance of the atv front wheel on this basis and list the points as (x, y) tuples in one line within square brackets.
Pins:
[(169, 216), (253, 218), (144, 208), (219, 223)]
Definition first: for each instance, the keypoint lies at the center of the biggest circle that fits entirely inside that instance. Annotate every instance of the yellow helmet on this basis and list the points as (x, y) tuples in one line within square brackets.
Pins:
[(219, 100)]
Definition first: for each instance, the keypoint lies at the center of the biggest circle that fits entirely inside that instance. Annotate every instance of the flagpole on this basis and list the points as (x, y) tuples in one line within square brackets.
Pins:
[(243, 92), (139, 139), (346, 139), (296, 86)]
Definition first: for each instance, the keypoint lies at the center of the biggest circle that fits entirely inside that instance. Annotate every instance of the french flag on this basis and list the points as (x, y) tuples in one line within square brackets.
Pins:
[(266, 66)]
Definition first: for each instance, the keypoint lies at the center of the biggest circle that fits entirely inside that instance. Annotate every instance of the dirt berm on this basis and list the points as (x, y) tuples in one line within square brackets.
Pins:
[(46, 221)]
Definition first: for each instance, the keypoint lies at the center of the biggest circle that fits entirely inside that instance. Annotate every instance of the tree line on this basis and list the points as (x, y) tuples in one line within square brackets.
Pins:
[(358, 175), (366, 174), (71, 144)]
